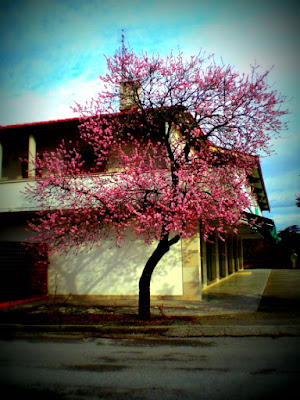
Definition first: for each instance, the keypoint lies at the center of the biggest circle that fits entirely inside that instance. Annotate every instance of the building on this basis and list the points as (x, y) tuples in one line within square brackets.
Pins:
[(191, 265)]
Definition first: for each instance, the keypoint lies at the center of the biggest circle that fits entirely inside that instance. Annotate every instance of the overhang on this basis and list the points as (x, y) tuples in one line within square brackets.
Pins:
[(257, 183), (257, 227)]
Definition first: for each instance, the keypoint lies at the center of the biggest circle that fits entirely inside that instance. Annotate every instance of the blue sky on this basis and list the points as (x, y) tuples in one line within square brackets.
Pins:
[(53, 51)]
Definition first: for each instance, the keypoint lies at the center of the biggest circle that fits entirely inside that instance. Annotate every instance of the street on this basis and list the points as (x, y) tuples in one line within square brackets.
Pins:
[(93, 368)]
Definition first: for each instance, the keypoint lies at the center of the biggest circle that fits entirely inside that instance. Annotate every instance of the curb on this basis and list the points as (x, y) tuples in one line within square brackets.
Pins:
[(234, 331), (85, 329), (171, 332)]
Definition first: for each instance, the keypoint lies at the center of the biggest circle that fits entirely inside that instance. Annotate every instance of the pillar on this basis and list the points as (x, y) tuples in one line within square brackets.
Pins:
[(203, 261), (240, 254), (215, 259), (223, 251), (191, 268), (230, 254), (31, 156)]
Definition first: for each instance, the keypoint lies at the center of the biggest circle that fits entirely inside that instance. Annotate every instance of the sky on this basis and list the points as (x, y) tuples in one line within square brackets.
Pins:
[(52, 52)]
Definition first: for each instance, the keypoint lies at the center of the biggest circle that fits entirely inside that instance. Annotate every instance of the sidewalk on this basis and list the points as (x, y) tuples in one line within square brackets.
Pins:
[(249, 303)]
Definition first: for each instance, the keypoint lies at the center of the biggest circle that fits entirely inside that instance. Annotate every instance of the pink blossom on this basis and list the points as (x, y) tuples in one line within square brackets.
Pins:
[(145, 177)]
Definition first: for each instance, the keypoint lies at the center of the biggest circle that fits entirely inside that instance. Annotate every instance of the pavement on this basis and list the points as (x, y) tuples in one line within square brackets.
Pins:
[(256, 302)]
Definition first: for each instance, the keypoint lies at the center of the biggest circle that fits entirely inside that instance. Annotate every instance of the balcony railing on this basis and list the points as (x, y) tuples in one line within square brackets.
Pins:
[(11, 197)]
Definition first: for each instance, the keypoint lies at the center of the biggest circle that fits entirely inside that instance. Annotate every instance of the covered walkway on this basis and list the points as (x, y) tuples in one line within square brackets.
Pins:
[(239, 292), (268, 290)]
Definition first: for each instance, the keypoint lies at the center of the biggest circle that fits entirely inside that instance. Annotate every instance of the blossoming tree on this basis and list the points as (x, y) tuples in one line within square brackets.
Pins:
[(172, 140)]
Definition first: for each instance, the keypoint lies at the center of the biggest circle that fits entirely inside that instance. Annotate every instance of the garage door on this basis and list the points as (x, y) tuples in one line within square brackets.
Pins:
[(23, 271)]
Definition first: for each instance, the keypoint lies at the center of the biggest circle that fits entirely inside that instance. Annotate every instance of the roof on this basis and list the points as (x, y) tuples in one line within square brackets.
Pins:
[(257, 182), (38, 123), (75, 119)]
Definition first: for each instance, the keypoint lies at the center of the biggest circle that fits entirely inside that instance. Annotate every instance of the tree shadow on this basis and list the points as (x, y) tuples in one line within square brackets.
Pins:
[(108, 270)]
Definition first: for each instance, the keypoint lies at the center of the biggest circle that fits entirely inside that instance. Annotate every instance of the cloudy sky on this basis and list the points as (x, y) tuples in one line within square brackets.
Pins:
[(52, 52)]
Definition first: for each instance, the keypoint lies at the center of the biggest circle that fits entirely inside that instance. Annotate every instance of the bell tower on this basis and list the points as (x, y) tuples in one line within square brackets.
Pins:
[(130, 90)]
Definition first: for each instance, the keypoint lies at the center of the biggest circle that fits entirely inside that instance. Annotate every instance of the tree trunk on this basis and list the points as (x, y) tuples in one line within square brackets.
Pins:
[(144, 283)]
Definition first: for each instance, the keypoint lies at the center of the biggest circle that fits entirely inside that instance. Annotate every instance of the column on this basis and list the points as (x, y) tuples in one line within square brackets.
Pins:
[(203, 261), (238, 260), (31, 156), (224, 257), (230, 254), (240, 254), (235, 254), (215, 259), (191, 266)]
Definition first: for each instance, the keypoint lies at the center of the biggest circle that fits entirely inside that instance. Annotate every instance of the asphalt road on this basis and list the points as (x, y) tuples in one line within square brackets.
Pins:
[(210, 368)]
